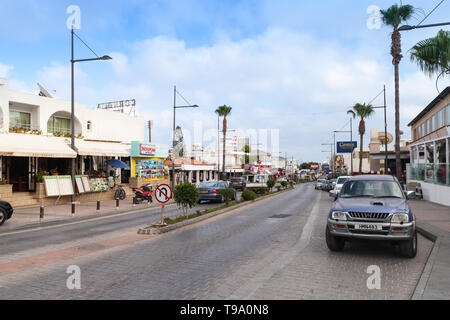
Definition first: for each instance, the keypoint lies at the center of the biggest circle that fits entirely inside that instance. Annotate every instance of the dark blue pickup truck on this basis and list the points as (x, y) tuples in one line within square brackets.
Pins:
[(374, 208)]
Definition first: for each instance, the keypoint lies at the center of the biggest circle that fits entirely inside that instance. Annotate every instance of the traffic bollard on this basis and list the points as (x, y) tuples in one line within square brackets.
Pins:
[(134, 202), (73, 209), (41, 213), (117, 204), (98, 206)]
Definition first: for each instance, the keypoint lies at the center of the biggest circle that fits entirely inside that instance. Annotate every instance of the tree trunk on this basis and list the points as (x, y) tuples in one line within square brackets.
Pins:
[(398, 160), (361, 154), (224, 144), (362, 132), (396, 52)]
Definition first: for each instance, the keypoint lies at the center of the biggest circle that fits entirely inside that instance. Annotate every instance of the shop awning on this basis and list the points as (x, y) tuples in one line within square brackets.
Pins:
[(102, 149), (28, 145)]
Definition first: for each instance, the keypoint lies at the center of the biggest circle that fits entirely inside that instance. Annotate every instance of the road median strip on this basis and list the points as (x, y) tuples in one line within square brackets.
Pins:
[(155, 229)]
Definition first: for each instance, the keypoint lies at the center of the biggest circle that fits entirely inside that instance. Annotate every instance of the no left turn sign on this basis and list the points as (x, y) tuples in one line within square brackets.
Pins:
[(163, 193)]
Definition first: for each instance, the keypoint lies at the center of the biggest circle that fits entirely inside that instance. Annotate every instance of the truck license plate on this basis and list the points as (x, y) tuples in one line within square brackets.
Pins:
[(368, 227)]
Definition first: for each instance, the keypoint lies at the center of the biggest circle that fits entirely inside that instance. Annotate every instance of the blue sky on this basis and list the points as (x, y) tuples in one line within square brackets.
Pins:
[(292, 65)]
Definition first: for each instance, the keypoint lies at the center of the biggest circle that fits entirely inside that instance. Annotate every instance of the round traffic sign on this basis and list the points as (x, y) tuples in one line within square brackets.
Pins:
[(163, 193)]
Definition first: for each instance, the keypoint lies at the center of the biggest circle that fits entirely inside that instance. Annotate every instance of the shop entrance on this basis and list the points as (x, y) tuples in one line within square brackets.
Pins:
[(19, 174)]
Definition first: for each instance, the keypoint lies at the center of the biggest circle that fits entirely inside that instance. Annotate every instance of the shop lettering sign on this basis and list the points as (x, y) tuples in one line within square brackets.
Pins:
[(147, 149)]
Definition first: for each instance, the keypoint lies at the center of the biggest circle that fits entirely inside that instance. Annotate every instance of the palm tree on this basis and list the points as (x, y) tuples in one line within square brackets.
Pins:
[(393, 17), (224, 111), (362, 111), (433, 55)]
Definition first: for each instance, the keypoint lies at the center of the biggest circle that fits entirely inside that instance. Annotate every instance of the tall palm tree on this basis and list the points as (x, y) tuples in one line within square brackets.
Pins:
[(432, 55), (394, 16), (224, 111), (362, 111)]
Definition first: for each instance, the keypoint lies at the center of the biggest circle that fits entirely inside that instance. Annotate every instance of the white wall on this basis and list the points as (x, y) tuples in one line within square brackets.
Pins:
[(106, 125), (435, 193)]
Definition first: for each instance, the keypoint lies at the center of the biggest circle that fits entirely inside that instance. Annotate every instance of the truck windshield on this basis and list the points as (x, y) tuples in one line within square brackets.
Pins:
[(371, 189)]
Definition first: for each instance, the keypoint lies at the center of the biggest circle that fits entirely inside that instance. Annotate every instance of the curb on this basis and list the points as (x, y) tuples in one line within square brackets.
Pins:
[(154, 231), (433, 234), (63, 221)]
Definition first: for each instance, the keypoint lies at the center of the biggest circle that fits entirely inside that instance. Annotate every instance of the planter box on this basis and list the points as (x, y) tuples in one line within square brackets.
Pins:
[(40, 191), (6, 192)]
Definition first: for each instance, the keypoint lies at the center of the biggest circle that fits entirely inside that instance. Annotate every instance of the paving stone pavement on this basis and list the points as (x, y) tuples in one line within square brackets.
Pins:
[(224, 257)]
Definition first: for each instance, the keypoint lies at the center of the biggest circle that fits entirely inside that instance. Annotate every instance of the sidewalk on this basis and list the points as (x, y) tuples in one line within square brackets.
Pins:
[(433, 221), (25, 218)]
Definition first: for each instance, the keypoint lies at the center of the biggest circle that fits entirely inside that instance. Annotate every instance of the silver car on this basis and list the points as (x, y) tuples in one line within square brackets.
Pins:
[(320, 183)]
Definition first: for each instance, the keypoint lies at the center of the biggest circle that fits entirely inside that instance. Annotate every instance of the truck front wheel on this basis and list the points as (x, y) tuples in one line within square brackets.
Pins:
[(408, 248), (334, 243)]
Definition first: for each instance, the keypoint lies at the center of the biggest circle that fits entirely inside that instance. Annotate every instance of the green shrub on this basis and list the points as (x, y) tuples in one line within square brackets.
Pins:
[(248, 195), (284, 184), (186, 195), (271, 184), (227, 194)]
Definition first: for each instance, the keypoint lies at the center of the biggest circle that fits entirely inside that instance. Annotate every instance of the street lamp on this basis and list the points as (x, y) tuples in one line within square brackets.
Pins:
[(175, 107), (386, 167), (408, 28), (72, 115)]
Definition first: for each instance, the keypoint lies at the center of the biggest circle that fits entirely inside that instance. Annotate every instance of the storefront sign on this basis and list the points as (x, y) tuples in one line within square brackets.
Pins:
[(147, 150), (346, 146), (314, 166)]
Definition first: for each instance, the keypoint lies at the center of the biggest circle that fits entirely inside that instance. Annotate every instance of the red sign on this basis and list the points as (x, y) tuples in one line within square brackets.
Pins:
[(148, 149), (163, 193), (314, 166)]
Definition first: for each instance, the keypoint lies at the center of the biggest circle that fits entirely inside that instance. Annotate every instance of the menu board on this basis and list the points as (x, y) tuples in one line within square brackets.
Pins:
[(51, 186), (79, 184), (58, 186), (149, 169), (86, 186), (65, 186)]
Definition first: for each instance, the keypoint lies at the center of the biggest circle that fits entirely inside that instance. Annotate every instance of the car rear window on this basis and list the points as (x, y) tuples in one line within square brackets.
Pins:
[(209, 185)]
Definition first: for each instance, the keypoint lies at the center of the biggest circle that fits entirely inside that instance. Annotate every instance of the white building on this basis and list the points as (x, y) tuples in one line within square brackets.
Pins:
[(35, 135)]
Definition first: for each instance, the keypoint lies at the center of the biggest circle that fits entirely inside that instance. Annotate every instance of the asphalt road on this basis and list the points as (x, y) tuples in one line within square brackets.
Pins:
[(273, 249)]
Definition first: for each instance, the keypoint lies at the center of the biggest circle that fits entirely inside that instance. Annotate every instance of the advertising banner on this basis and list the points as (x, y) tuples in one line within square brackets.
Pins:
[(346, 146)]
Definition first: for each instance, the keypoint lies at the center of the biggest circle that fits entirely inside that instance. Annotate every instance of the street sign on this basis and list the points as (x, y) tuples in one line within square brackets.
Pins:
[(346, 146), (163, 193)]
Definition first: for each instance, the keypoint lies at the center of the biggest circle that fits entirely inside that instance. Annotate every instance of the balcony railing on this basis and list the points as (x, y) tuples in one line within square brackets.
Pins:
[(437, 173)]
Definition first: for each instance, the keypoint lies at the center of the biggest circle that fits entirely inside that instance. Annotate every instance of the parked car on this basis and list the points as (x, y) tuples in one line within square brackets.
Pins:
[(238, 183), (337, 188), (6, 211), (209, 191), (373, 208), (320, 182), (329, 185)]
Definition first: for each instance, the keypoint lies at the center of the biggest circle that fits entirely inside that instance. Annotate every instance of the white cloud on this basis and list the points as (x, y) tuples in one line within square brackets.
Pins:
[(280, 79), (4, 70)]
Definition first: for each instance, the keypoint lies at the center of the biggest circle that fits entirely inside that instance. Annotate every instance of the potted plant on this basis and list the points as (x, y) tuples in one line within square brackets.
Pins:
[(54, 172)]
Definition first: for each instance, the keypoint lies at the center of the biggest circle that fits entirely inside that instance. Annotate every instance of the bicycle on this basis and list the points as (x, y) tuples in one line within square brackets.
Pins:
[(120, 193)]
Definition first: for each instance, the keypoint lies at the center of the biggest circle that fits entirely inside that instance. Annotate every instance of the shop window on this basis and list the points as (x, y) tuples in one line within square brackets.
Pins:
[(59, 125), (441, 118), (19, 120), (447, 111)]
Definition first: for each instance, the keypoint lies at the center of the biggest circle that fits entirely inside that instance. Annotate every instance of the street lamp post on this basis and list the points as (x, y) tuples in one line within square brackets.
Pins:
[(407, 27), (72, 113), (175, 107), (385, 132)]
